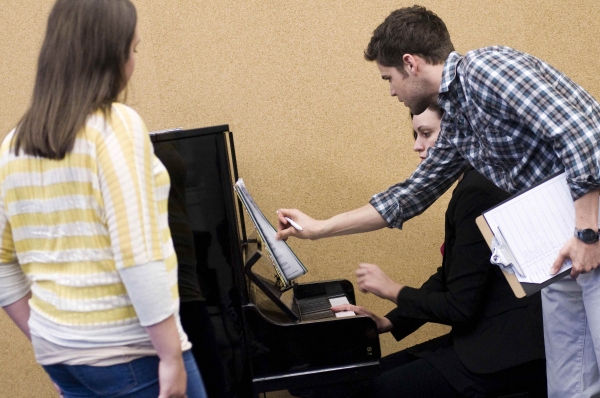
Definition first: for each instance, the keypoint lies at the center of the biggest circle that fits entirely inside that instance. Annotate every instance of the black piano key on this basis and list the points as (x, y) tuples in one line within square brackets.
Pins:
[(316, 307), (304, 309), (314, 303)]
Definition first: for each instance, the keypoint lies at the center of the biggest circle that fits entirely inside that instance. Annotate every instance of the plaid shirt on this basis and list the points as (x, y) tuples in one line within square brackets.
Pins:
[(515, 119)]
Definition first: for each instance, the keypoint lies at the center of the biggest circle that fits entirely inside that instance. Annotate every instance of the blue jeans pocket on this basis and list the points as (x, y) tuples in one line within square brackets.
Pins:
[(106, 381)]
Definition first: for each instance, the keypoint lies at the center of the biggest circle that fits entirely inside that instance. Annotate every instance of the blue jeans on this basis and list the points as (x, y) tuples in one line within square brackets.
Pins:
[(571, 310), (135, 379)]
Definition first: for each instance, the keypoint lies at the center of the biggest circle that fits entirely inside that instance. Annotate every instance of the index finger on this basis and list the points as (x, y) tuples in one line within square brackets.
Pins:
[(280, 218), (284, 234), (341, 307), (558, 262)]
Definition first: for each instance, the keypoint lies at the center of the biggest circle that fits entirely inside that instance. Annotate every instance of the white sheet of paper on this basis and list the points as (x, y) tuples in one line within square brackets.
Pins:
[(283, 256)]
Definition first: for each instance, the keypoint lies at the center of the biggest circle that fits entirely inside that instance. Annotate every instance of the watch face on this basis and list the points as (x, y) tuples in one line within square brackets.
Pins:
[(588, 235)]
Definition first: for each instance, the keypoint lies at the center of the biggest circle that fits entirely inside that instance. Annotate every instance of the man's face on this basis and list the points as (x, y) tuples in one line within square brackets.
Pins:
[(409, 88)]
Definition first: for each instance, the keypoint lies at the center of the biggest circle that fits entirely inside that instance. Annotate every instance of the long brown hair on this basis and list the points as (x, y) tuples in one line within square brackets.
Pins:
[(81, 68)]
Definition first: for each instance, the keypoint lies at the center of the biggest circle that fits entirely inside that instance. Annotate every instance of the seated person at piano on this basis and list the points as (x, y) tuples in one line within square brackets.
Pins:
[(496, 343)]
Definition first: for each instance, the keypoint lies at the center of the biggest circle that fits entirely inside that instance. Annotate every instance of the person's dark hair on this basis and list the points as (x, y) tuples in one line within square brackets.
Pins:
[(436, 109), (411, 30), (81, 69)]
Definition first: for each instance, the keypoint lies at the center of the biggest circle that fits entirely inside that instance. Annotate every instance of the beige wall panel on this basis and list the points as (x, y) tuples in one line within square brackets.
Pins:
[(314, 125)]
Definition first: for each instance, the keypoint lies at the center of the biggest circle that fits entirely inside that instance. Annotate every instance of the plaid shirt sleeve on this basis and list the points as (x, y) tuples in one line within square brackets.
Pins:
[(516, 86), (429, 181)]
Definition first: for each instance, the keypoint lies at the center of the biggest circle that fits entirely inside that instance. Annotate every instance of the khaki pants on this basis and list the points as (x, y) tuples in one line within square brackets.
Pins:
[(571, 309)]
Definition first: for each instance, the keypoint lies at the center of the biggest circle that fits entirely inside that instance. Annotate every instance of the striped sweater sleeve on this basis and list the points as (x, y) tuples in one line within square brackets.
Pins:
[(125, 161), (125, 166), (13, 283)]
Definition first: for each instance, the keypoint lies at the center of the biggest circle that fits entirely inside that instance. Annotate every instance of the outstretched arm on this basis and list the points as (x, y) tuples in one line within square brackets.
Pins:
[(363, 219)]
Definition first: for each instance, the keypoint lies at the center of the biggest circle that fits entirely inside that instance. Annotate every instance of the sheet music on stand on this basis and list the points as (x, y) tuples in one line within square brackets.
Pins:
[(535, 225), (287, 266)]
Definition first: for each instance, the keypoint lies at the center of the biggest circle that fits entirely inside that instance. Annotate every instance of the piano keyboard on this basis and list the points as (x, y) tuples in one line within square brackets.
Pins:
[(319, 307)]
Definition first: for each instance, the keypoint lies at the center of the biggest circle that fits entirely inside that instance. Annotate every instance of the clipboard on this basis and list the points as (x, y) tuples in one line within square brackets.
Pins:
[(545, 206), (520, 289)]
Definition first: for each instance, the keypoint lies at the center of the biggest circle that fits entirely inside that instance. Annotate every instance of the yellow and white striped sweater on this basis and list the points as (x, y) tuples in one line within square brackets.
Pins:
[(91, 233)]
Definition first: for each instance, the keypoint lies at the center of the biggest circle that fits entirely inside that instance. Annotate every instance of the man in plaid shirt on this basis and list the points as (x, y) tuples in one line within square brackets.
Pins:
[(516, 120)]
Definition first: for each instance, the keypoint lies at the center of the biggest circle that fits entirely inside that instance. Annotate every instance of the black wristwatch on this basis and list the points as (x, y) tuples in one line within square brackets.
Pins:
[(587, 235)]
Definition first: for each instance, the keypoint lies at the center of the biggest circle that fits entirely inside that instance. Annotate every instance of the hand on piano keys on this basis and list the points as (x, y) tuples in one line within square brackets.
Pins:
[(336, 301), (383, 324)]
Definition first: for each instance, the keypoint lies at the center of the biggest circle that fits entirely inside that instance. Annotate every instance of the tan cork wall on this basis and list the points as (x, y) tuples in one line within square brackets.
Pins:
[(314, 124)]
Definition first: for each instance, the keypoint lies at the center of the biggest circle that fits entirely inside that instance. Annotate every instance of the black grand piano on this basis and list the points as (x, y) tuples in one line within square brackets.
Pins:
[(265, 342)]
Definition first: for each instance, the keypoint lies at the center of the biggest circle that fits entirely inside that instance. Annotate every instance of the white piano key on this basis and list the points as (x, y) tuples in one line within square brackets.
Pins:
[(343, 314), (339, 301)]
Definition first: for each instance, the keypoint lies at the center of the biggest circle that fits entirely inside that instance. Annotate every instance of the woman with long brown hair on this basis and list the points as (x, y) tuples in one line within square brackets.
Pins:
[(87, 266)]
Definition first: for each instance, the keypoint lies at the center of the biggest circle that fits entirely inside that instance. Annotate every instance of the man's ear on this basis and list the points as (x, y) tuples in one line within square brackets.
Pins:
[(411, 63)]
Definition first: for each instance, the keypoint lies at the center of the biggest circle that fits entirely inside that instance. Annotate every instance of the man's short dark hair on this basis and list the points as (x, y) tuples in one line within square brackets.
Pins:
[(411, 30)]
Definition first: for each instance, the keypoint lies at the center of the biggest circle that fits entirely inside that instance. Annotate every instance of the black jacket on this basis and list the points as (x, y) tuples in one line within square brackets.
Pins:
[(491, 329)]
